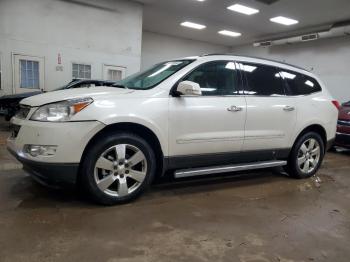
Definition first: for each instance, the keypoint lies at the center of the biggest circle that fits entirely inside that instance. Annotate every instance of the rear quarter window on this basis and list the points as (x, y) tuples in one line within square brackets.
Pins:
[(299, 84)]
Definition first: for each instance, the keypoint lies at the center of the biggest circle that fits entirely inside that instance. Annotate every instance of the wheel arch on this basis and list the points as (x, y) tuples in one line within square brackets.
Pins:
[(317, 128), (134, 128)]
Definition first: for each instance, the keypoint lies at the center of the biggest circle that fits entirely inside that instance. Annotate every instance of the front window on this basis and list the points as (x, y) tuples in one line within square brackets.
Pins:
[(153, 76), (217, 78)]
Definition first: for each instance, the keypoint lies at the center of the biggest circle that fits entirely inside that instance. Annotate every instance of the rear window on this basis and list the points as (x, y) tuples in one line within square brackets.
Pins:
[(299, 84)]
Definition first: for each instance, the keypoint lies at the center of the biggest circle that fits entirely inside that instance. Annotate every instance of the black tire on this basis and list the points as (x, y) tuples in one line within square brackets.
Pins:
[(87, 170), (292, 167)]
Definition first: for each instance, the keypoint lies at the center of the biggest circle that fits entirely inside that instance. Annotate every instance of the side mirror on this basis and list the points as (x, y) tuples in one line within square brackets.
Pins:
[(189, 88)]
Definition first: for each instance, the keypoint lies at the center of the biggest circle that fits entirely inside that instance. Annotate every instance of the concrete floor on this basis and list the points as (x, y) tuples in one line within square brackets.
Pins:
[(261, 216)]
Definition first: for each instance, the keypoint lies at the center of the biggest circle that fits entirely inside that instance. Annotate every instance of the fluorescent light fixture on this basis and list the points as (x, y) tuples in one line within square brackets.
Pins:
[(284, 20), (247, 68), (200, 0), (243, 9), (165, 67), (208, 89), (231, 66), (193, 25), (229, 33), (309, 83), (288, 75)]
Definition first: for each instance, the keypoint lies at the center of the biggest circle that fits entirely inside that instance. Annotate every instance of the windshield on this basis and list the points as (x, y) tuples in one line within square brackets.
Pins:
[(153, 76), (346, 104), (67, 86)]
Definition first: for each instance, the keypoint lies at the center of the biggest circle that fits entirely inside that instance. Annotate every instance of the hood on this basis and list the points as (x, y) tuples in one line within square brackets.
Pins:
[(95, 93), (344, 113), (20, 96)]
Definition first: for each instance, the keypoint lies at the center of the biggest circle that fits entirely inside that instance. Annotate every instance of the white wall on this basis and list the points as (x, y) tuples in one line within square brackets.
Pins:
[(157, 48), (328, 58), (111, 34)]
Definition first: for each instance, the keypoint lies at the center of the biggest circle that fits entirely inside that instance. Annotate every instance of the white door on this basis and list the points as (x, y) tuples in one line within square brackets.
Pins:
[(207, 124), (28, 73), (271, 114), (114, 73)]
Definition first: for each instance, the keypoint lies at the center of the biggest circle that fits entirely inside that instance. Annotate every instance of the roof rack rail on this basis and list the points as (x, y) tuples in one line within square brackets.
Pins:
[(266, 59)]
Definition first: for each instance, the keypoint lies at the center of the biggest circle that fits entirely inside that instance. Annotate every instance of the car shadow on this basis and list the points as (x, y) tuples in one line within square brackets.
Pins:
[(30, 194)]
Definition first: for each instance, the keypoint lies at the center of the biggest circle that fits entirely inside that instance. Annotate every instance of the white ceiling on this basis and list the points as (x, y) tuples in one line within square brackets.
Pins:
[(164, 16)]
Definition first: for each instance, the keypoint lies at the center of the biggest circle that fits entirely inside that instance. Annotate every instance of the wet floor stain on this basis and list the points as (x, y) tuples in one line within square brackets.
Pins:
[(257, 216)]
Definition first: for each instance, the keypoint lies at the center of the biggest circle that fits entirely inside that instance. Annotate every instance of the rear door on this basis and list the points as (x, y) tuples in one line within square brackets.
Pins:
[(271, 114)]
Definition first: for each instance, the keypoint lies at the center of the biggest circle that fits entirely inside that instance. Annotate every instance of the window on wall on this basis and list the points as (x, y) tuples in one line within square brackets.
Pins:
[(29, 74), (81, 71), (114, 75)]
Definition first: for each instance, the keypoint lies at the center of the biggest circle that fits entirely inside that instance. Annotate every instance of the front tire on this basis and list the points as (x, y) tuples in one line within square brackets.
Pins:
[(306, 156), (118, 168)]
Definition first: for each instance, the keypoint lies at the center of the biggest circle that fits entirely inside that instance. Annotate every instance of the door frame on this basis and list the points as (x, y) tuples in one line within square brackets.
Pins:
[(41, 69)]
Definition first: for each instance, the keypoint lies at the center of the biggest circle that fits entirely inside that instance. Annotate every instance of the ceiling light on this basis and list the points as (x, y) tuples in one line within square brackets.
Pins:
[(229, 33), (284, 20), (243, 9), (309, 83), (231, 65), (193, 25)]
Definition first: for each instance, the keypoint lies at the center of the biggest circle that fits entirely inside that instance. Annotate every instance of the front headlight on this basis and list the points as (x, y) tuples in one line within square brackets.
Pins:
[(60, 111)]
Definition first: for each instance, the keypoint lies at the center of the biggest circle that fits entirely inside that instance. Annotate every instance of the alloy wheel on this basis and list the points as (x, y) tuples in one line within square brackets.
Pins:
[(309, 155), (120, 170)]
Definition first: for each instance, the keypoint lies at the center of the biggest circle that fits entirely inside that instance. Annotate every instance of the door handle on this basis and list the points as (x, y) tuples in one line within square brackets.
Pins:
[(234, 109), (289, 108)]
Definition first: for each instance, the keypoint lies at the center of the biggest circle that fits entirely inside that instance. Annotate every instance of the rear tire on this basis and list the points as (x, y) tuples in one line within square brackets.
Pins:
[(306, 156), (118, 168)]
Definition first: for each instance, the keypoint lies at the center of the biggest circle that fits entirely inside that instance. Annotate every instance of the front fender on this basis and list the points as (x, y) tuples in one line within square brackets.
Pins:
[(151, 113), (148, 123)]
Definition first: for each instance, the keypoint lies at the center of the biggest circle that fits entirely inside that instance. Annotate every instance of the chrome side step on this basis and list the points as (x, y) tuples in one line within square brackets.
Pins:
[(225, 169)]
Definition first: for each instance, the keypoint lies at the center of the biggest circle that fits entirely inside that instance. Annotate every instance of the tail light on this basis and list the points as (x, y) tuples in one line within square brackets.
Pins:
[(336, 104)]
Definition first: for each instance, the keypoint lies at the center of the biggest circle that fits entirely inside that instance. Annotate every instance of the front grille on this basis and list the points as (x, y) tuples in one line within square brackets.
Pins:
[(344, 122), (14, 130), (23, 112)]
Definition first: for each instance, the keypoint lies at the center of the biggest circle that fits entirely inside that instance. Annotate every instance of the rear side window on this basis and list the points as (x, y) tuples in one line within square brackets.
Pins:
[(262, 80), (299, 84)]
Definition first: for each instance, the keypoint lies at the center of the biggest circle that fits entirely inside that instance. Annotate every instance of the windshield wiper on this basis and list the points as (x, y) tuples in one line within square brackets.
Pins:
[(120, 86)]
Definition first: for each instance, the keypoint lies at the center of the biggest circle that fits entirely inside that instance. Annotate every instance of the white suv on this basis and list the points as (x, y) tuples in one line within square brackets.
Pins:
[(192, 116)]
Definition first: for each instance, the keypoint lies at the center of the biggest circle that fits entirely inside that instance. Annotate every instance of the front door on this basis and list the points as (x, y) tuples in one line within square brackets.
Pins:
[(271, 114), (211, 124), (28, 73)]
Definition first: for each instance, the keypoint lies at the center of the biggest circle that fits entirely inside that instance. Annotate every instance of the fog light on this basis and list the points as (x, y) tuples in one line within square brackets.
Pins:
[(40, 150)]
